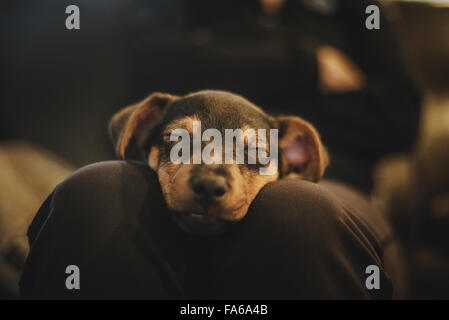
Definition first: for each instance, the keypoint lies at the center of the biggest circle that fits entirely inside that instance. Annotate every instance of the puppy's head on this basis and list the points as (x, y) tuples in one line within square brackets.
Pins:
[(207, 196)]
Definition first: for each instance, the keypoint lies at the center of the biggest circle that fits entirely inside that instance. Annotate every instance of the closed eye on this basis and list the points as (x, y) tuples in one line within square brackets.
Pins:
[(172, 136), (166, 137), (252, 148)]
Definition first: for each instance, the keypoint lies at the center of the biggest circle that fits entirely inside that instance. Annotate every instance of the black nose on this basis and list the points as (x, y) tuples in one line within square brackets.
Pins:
[(209, 188)]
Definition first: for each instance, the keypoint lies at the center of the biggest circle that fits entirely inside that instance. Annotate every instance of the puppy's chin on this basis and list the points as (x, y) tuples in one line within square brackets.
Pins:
[(200, 225)]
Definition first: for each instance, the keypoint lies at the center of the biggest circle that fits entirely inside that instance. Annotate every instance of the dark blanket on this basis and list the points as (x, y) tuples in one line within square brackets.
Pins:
[(299, 240)]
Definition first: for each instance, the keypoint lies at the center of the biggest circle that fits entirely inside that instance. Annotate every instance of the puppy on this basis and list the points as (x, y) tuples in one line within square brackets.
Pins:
[(205, 198)]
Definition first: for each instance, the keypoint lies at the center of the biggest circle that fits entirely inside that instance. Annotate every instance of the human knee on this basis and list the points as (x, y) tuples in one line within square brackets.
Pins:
[(297, 210)]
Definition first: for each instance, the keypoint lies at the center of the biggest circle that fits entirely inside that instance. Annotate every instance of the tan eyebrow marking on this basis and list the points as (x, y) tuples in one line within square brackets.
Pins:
[(185, 123)]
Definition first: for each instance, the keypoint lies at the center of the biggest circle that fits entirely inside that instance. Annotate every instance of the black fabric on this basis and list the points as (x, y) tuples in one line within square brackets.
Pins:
[(298, 240)]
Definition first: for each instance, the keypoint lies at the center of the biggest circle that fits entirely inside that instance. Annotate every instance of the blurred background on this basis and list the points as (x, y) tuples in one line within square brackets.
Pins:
[(379, 98)]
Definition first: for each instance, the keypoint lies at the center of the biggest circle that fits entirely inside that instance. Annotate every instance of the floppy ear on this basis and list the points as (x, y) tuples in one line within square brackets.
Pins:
[(130, 128), (301, 149)]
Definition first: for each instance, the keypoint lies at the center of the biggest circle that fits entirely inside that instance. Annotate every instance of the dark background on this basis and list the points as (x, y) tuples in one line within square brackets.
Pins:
[(58, 86)]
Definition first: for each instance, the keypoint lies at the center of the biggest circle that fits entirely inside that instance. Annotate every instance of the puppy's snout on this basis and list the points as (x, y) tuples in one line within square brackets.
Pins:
[(209, 188)]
